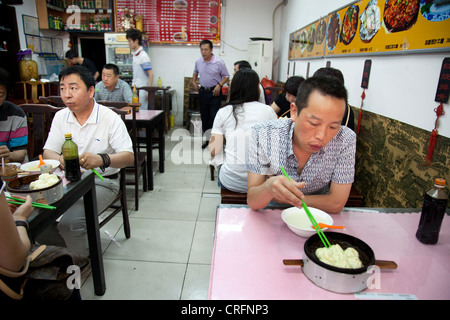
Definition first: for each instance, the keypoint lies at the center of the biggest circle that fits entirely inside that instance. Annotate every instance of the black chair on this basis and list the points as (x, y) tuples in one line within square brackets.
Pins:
[(39, 120), (52, 100), (274, 92), (140, 158), (140, 162)]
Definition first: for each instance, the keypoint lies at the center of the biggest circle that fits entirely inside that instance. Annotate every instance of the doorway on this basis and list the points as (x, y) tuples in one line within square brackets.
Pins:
[(94, 50)]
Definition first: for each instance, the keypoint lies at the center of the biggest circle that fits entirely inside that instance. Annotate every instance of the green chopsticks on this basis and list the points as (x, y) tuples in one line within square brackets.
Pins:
[(34, 204), (322, 236), (98, 174)]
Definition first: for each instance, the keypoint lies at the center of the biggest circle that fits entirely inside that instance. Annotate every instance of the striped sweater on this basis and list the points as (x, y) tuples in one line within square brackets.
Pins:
[(13, 127)]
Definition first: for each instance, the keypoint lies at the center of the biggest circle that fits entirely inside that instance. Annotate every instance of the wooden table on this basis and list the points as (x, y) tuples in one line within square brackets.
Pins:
[(250, 246), (73, 191), (148, 119)]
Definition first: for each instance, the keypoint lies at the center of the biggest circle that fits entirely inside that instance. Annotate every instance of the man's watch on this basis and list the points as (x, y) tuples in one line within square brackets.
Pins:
[(21, 223)]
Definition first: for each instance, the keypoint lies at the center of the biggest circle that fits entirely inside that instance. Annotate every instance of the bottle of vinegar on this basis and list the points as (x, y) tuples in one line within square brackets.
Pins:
[(71, 161), (433, 211)]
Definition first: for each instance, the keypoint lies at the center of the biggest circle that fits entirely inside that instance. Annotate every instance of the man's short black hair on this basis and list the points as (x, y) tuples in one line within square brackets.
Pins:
[(71, 54), (243, 64), (112, 67), (329, 86), (208, 42), (134, 34), (86, 76)]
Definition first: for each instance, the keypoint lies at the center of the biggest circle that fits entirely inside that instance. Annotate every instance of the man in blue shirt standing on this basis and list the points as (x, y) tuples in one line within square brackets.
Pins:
[(213, 74)]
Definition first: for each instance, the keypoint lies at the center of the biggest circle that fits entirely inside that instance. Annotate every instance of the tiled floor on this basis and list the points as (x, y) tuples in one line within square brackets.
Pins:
[(169, 253)]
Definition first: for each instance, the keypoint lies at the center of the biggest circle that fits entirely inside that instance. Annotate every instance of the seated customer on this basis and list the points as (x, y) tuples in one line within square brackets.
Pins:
[(349, 118), (239, 65), (233, 123), (13, 127), (111, 88), (103, 142), (282, 104), (316, 151)]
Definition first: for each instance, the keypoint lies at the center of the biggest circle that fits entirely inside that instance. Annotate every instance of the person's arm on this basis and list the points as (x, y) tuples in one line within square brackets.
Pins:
[(194, 81), (216, 144), (13, 156), (14, 241), (50, 154), (332, 202), (278, 188), (218, 89), (275, 107), (150, 77), (122, 159), (260, 190)]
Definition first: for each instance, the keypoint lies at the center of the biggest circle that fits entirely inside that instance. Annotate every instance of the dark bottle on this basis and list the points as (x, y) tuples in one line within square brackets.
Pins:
[(71, 161), (433, 211)]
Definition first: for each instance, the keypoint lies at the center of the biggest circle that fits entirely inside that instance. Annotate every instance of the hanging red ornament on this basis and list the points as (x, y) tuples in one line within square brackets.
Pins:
[(364, 85), (442, 95)]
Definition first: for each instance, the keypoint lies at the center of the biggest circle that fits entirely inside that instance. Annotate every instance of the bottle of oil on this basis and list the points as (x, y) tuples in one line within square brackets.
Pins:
[(71, 161), (433, 211), (135, 98)]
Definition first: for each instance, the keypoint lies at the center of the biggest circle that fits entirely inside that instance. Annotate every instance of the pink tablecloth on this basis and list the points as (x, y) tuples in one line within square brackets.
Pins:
[(250, 247)]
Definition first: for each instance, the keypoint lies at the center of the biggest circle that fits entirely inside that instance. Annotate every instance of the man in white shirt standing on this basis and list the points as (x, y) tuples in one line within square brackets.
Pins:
[(142, 66)]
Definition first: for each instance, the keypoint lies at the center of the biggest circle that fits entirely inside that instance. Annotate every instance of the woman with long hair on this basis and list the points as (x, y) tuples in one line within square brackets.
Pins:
[(232, 125)]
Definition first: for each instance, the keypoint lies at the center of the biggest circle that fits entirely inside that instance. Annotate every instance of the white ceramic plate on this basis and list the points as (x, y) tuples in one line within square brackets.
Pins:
[(297, 220), (33, 165)]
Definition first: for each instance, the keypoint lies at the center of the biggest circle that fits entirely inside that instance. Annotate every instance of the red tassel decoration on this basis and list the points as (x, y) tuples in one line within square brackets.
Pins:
[(360, 110), (433, 136)]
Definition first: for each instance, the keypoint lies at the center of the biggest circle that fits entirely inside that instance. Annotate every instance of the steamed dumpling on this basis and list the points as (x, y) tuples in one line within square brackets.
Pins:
[(337, 257)]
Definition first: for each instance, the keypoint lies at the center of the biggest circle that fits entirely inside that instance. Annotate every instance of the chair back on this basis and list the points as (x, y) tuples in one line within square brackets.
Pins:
[(152, 95), (113, 104), (52, 100), (272, 93), (39, 119)]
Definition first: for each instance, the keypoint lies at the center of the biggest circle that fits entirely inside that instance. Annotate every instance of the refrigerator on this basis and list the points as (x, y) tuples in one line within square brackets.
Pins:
[(118, 52)]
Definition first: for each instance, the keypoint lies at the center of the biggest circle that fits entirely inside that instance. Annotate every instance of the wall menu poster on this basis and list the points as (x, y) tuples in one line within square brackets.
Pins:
[(179, 21), (308, 42), (387, 26)]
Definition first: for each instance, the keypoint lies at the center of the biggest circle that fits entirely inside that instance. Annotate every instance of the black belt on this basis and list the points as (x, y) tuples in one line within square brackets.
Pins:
[(113, 176), (207, 89)]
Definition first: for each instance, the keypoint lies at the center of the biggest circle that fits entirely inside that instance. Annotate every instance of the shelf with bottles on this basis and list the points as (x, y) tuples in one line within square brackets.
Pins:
[(95, 15)]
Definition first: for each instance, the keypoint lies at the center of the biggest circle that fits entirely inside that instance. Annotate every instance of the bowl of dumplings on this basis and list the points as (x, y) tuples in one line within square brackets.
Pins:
[(46, 188)]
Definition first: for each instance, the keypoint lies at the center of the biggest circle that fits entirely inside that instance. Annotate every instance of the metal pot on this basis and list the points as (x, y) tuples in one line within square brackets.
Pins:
[(341, 280), (49, 195)]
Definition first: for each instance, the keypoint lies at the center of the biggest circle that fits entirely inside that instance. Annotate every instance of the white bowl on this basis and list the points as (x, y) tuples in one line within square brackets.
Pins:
[(297, 220), (33, 165)]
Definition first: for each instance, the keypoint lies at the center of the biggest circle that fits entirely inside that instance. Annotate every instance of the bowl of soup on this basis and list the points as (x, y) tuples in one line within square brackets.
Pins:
[(298, 221)]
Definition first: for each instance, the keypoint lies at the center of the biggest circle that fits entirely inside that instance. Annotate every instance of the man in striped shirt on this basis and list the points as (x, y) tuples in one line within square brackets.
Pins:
[(13, 127), (316, 151)]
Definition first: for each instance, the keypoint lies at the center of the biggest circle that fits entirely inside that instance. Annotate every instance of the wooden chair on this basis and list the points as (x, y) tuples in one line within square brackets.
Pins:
[(121, 195), (274, 92), (140, 158), (151, 102), (40, 118), (52, 100)]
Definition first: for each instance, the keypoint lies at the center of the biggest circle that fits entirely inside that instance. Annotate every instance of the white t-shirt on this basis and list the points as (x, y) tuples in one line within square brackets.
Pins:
[(233, 173), (141, 64), (103, 132)]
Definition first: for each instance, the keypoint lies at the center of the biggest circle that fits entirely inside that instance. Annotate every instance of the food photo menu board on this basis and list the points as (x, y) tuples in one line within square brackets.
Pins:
[(381, 27), (177, 21)]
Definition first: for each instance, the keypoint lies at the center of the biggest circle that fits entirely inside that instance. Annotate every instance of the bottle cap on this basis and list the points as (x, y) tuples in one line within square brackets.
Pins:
[(439, 181), (67, 135)]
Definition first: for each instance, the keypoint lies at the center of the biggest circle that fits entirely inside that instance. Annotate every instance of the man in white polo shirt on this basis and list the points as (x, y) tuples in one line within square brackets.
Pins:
[(142, 66), (103, 143)]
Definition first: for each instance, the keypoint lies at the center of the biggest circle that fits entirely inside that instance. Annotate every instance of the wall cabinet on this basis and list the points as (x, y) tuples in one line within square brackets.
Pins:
[(71, 15)]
